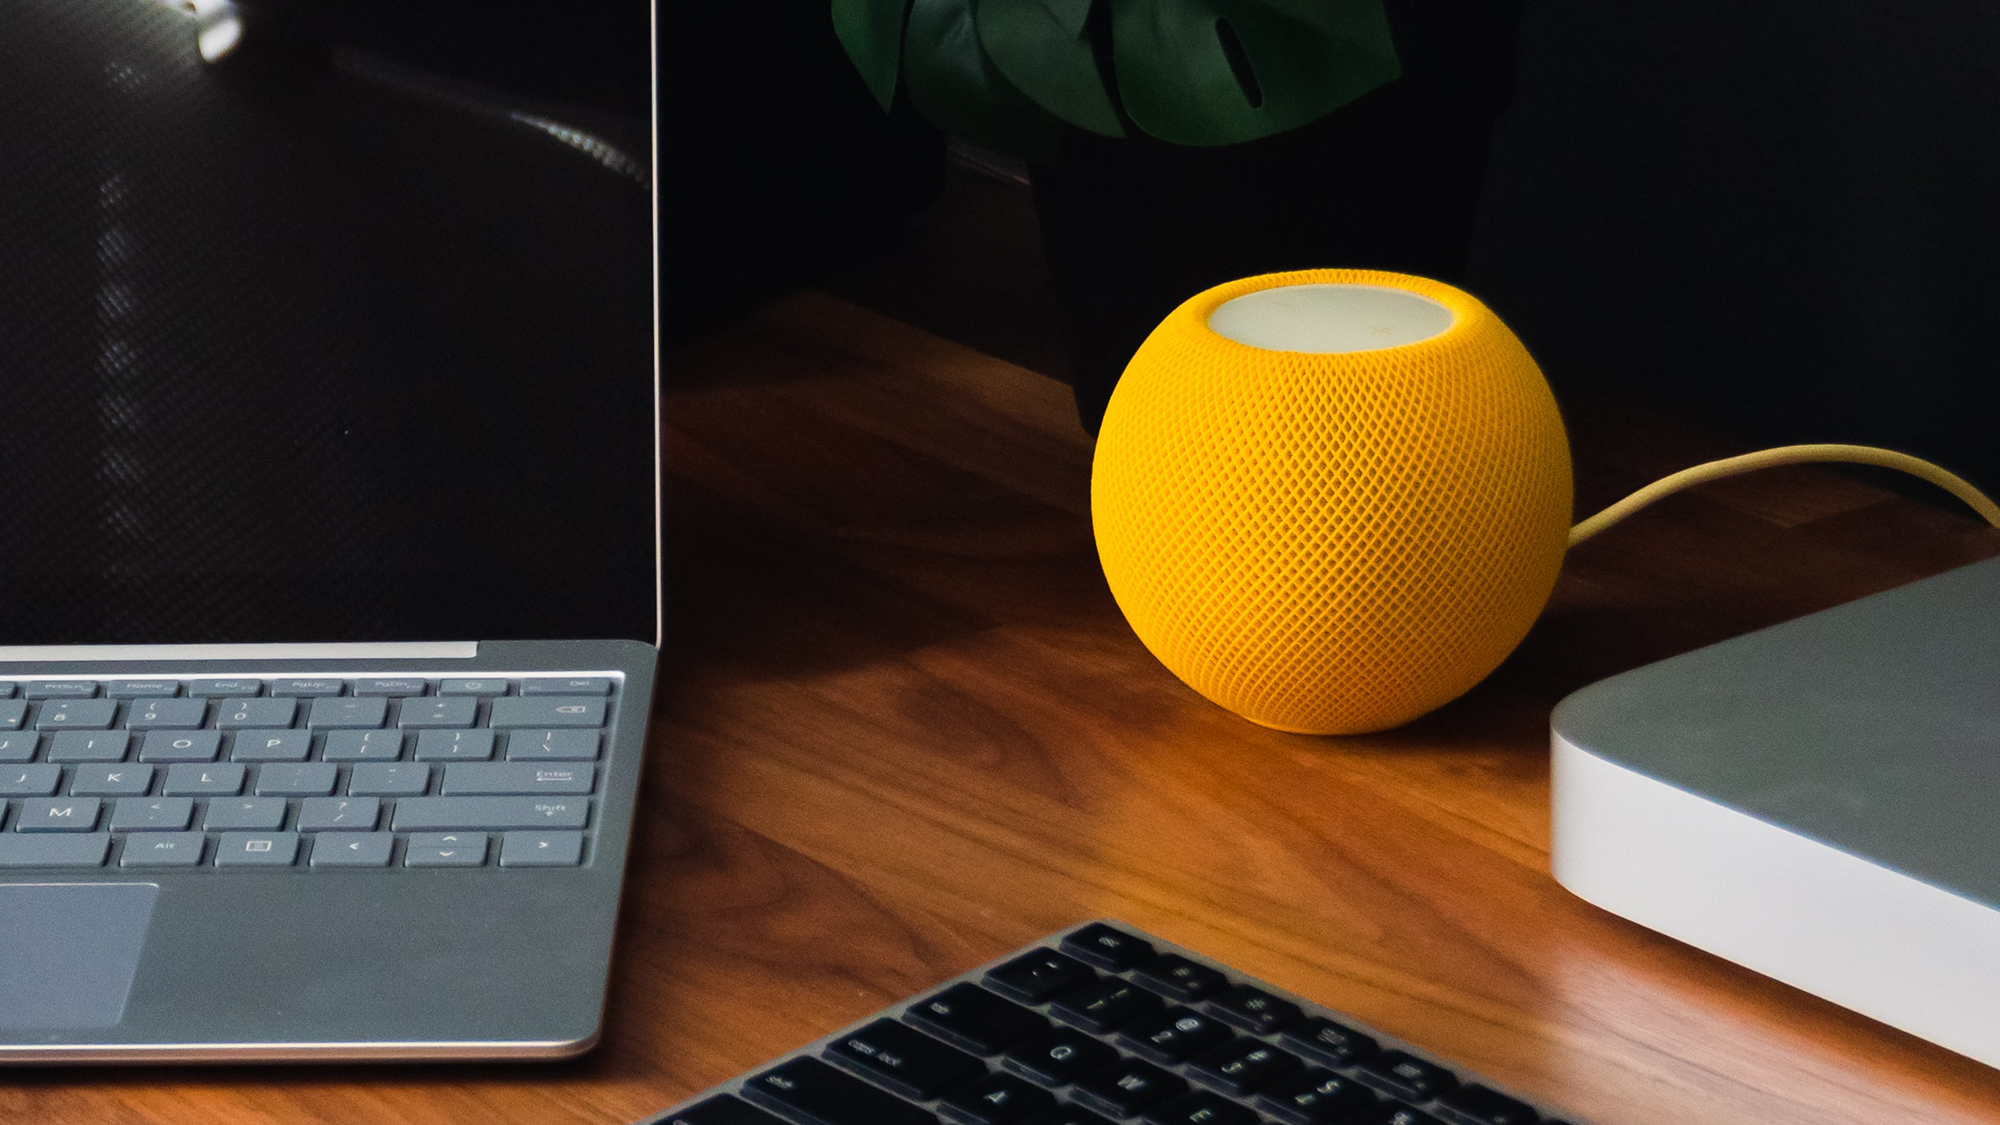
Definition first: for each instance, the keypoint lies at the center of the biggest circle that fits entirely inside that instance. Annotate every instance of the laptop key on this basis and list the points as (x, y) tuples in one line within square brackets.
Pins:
[(89, 745), (1406, 1076), (723, 1110), (61, 849), (142, 689), (814, 1091), (59, 689), (586, 685), (119, 780), (181, 746), (188, 779), (391, 687), (39, 779), (213, 689), (270, 745), (266, 814), (238, 714), (541, 849), (352, 849), (71, 814), (445, 849), (899, 1056), (339, 814), (362, 745), (441, 814), (167, 714), (444, 711), (77, 714), (967, 1016), (312, 686), (297, 779), (152, 814), (472, 687), (388, 779), (13, 712), (347, 713), (547, 711), (453, 745), (163, 849), (256, 849), (569, 745), (19, 746), (496, 778)]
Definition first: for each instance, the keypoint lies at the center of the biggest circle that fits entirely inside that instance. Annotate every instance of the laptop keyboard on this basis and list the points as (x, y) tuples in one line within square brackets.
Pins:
[(261, 772), (1103, 1025)]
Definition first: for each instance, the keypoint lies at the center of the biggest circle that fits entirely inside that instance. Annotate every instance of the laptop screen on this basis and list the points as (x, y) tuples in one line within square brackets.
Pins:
[(315, 342)]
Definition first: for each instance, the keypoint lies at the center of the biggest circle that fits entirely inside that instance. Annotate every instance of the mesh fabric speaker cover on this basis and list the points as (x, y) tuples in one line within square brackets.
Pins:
[(1332, 543)]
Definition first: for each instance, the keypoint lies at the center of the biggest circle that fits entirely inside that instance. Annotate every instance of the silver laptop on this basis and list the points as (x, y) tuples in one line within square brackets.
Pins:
[(332, 396)]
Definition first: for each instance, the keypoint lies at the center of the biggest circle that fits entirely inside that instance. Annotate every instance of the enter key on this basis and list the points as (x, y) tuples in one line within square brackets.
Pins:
[(494, 779)]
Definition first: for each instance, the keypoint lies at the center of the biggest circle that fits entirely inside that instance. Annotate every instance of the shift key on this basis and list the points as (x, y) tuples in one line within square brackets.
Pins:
[(547, 711), (438, 814)]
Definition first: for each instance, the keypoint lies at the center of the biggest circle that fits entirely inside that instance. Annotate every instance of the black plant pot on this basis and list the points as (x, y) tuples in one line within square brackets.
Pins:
[(1134, 227)]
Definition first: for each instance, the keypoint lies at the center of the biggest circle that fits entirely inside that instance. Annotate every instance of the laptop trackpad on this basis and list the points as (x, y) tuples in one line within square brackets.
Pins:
[(68, 952)]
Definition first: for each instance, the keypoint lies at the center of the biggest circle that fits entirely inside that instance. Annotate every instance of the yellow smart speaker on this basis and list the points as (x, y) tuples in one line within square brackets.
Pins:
[(1331, 500)]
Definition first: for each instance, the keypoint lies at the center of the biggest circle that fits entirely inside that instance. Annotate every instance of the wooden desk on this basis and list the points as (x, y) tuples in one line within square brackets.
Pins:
[(902, 729)]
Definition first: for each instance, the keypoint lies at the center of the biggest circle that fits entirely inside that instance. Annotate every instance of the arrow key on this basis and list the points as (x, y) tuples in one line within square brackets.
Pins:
[(541, 849), (446, 849), (352, 849)]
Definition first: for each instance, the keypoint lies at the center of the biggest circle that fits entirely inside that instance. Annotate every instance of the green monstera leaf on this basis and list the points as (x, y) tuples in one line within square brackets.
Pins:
[(1008, 74), (1044, 49), (1217, 72), (955, 85)]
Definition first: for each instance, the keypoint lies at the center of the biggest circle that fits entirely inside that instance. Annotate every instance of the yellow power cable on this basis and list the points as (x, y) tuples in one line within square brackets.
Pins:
[(1788, 455)]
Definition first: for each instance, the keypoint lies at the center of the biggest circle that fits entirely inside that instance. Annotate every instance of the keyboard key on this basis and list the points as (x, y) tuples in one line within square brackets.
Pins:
[(270, 745), (181, 746), (167, 714), (360, 849), (256, 849), (388, 779), (307, 686), (496, 778), (445, 849), (441, 814), (77, 714), (1034, 977), (901, 1058), (456, 745), (1329, 1042), (1253, 1010), (1105, 1004), (163, 849), (818, 1093), (1179, 978), (59, 689), (13, 713), (122, 780), (339, 814), (1397, 1113), (239, 714), (347, 713), (1106, 947), (1242, 1066), (1477, 1105), (1173, 1035), (552, 745), (89, 745), (557, 685), (546, 711), (1127, 1089), (37, 780), (1058, 1056), (187, 779), (297, 779), (1071, 1115), (973, 1019), (8, 688), (255, 814), (362, 745), (723, 1110), (441, 712), (472, 687), (19, 746), (391, 687), (142, 689), (68, 814), (541, 849), (1200, 1109), (1315, 1097), (58, 849), (1406, 1076), (214, 689), (152, 814), (996, 1099)]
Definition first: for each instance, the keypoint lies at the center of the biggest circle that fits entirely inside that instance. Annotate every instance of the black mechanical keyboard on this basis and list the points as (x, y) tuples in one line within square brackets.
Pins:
[(1102, 1025), (310, 771)]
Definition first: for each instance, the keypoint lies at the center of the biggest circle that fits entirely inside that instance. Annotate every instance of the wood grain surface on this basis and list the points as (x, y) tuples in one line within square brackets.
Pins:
[(902, 729)]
